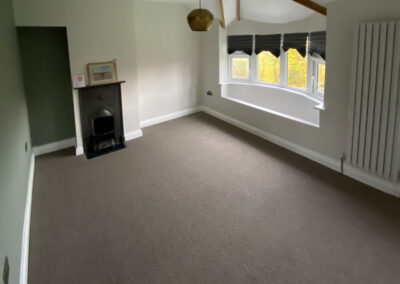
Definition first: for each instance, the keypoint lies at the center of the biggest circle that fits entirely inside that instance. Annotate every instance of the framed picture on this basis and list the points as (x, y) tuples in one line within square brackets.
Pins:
[(102, 73), (78, 81)]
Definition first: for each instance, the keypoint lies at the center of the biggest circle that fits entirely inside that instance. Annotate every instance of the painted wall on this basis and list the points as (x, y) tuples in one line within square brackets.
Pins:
[(48, 89), (330, 138), (167, 53), (14, 160), (98, 30), (315, 22)]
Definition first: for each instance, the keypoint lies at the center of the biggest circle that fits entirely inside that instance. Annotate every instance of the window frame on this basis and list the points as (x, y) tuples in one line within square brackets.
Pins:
[(239, 54), (286, 68), (312, 73), (316, 61)]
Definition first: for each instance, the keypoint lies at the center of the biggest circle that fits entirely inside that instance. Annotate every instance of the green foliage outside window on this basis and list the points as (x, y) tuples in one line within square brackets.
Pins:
[(321, 78), (297, 69), (240, 67), (268, 67)]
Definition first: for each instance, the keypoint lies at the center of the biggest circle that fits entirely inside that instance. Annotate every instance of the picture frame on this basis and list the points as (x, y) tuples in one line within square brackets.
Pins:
[(78, 81), (102, 73)]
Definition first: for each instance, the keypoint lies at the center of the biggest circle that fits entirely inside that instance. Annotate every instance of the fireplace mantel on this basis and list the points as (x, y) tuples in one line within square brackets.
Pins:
[(100, 85)]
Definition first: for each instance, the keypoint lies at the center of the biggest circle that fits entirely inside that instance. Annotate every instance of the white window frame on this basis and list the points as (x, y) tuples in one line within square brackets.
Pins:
[(286, 71), (316, 61), (239, 54), (312, 73)]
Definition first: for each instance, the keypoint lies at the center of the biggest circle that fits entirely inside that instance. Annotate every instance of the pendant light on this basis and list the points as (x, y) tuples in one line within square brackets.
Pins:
[(200, 20)]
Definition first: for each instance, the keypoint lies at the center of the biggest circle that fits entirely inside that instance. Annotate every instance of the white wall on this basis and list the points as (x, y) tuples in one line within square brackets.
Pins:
[(167, 53), (330, 138), (98, 30)]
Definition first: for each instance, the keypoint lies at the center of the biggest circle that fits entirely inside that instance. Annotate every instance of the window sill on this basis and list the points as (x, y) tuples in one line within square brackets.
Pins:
[(289, 90), (320, 107), (302, 121)]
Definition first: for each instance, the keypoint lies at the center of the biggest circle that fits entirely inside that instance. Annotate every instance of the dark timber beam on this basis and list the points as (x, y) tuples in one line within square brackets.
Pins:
[(238, 10), (221, 7), (313, 6)]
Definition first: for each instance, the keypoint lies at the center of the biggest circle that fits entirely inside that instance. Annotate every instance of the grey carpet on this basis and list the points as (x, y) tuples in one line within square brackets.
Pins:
[(196, 200)]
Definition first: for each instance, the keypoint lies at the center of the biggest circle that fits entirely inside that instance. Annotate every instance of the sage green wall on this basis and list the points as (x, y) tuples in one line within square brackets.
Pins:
[(14, 129), (47, 80)]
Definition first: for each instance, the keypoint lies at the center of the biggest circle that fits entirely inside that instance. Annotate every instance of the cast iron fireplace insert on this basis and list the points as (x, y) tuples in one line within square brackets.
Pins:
[(101, 119)]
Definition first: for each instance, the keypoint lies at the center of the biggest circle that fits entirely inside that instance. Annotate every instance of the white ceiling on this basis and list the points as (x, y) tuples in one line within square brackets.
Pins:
[(268, 11)]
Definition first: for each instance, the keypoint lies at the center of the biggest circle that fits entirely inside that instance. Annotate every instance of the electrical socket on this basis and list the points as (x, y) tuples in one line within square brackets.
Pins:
[(209, 93), (6, 271)]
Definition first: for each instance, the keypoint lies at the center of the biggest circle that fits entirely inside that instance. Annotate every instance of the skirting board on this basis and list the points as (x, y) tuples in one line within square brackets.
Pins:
[(133, 135), (23, 278), (376, 182), (78, 150), (170, 116), (55, 146)]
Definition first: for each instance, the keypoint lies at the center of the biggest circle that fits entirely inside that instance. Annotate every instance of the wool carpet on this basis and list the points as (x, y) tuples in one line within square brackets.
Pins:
[(196, 200)]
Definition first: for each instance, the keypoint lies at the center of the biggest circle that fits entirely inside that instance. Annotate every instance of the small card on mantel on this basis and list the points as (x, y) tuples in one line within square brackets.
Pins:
[(78, 81)]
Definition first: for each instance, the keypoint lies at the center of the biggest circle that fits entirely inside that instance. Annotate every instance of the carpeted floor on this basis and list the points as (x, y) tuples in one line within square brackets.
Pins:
[(196, 200)]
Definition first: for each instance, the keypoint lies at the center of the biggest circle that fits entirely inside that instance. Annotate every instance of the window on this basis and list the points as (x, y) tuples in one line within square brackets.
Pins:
[(297, 69), (268, 68), (240, 67), (321, 78), (301, 67)]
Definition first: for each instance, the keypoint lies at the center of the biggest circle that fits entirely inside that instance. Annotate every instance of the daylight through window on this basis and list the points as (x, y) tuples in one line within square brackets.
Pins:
[(297, 69), (240, 67), (268, 68), (321, 78)]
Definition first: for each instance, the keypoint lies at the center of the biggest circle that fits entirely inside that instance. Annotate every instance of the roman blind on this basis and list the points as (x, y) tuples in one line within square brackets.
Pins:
[(317, 44), (271, 43), (242, 43), (297, 41)]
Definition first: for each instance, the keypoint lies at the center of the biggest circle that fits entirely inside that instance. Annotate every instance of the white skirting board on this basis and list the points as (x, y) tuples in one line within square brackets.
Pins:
[(133, 135), (23, 278), (79, 150), (55, 146), (374, 181), (170, 116)]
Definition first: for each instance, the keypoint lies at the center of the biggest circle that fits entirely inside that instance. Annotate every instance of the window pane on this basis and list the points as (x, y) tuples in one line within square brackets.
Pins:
[(321, 78), (240, 67), (297, 69), (268, 67)]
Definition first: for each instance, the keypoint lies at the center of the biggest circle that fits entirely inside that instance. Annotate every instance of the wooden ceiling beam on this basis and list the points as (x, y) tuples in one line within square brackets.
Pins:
[(313, 6), (221, 8), (238, 10)]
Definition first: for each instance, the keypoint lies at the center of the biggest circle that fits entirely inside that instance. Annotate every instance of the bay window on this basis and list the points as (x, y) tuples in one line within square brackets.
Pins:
[(291, 61)]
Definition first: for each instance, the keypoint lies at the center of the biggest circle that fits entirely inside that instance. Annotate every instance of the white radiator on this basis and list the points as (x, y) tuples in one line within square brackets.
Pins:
[(374, 116)]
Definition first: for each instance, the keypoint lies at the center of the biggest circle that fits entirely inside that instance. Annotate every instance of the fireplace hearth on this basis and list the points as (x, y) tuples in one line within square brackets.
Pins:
[(101, 119)]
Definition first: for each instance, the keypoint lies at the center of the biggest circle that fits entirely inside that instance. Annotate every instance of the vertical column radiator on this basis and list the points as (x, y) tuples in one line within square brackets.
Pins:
[(374, 130)]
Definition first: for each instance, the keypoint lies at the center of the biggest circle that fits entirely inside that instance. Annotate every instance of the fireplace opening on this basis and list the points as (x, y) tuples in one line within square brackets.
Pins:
[(103, 130), (103, 123)]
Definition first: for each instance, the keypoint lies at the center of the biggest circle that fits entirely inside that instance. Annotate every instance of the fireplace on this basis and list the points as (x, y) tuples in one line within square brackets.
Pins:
[(101, 119)]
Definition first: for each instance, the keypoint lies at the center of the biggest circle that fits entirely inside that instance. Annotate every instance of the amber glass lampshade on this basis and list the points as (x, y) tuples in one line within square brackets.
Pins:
[(200, 20)]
